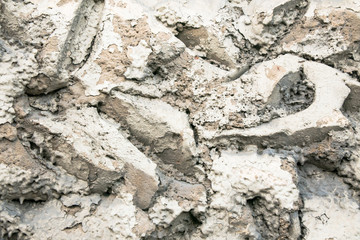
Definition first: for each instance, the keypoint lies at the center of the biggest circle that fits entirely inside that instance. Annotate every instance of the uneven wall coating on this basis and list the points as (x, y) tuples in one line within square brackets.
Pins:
[(221, 119)]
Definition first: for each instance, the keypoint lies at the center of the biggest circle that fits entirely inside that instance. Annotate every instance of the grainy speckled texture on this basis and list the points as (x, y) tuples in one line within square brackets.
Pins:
[(203, 119)]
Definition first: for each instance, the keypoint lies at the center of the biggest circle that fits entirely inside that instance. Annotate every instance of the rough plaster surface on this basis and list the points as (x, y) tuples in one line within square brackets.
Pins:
[(222, 119)]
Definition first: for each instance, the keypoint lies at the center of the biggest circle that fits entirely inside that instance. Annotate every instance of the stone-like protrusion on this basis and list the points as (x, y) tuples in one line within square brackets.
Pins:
[(17, 66), (328, 30), (263, 22), (22, 183), (74, 25), (311, 124), (23, 178), (156, 124), (7, 132), (93, 149), (200, 38), (199, 28), (130, 45), (352, 102), (62, 33), (257, 191), (138, 55), (179, 197), (246, 175), (179, 208), (72, 217), (339, 29)]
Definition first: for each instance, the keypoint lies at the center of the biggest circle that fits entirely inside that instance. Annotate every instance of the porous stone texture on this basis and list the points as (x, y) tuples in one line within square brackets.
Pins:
[(156, 124), (221, 119)]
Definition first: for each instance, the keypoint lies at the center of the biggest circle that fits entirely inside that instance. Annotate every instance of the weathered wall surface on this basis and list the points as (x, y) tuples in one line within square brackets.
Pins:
[(221, 119)]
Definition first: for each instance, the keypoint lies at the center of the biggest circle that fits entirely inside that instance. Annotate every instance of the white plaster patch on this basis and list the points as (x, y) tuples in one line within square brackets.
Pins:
[(139, 55), (240, 176)]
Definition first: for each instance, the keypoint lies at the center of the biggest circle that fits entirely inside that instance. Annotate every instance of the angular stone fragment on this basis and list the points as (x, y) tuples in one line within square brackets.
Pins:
[(93, 149), (143, 225), (200, 38), (145, 184), (156, 124), (74, 26), (352, 102), (23, 178), (308, 125), (61, 33), (7, 132)]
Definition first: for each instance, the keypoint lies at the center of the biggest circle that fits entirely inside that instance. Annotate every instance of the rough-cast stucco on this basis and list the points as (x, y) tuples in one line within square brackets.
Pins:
[(204, 119)]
